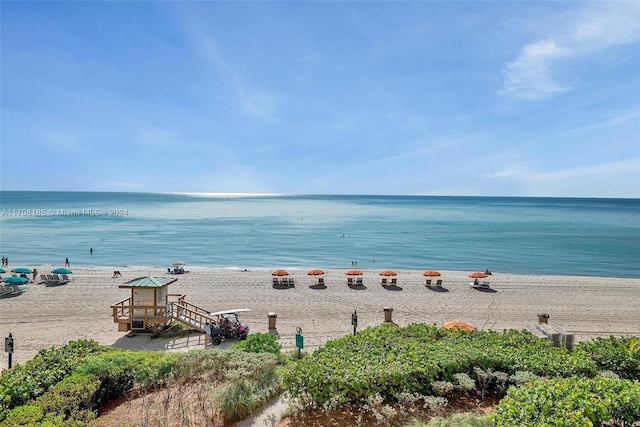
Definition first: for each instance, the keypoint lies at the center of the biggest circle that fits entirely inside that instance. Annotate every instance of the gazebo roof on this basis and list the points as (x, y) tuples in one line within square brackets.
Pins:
[(149, 282)]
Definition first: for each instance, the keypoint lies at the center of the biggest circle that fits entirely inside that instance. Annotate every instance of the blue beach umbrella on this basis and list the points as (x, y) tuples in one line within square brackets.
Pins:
[(61, 270), (2, 270), (22, 270), (15, 280)]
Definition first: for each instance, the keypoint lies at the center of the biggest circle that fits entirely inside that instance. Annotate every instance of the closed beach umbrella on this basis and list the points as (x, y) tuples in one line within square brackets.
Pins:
[(354, 273), (315, 272), (478, 275), (280, 273), (457, 324), (61, 270), (388, 273), (431, 273), (15, 280), (22, 270)]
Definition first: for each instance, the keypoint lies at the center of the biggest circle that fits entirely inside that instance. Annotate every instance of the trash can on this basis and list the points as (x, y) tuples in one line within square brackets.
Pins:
[(543, 318), (387, 314), (272, 320)]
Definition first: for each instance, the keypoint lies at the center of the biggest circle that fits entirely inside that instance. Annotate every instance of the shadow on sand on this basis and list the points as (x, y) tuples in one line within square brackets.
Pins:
[(357, 287), (392, 288), (487, 290), (281, 287), (318, 287)]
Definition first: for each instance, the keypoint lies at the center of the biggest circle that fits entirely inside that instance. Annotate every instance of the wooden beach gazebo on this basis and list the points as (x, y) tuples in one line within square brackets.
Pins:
[(147, 306), (151, 306)]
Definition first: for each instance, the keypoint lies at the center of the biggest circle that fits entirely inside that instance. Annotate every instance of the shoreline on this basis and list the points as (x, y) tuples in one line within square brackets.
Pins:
[(586, 306), (367, 268)]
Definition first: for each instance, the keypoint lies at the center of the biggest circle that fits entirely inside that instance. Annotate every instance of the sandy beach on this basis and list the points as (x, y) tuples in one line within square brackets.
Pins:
[(44, 316)]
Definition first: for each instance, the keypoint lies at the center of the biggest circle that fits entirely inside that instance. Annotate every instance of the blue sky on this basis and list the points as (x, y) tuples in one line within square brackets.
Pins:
[(434, 98)]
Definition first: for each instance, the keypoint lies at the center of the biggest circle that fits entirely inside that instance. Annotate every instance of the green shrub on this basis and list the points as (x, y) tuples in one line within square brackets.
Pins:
[(26, 415), (389, 360), (119, 370), (26, 382), (570, 402), (260, 343), (620, 355), (72, 398)]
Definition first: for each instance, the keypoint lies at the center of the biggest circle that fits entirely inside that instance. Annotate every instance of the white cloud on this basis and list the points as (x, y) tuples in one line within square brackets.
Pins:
[(251, 101), (588, 171), (594, 28)]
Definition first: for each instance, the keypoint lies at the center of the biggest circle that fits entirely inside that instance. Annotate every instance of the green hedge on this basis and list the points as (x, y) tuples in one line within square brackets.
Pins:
[(388, 360), (26, 382), (570, 402), (616, 354)]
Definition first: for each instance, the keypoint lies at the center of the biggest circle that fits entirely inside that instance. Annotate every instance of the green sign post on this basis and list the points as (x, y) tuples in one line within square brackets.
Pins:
[(299, 340)]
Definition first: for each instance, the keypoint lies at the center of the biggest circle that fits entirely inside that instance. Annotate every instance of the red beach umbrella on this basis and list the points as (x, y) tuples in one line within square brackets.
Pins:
[(431, 273), (354, 273), (280, 273), (388, 273), (315, 272), (478, 275), (457, 324)]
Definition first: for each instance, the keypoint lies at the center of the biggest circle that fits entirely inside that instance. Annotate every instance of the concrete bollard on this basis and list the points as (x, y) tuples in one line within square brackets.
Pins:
[(272, 320), (387, 314)]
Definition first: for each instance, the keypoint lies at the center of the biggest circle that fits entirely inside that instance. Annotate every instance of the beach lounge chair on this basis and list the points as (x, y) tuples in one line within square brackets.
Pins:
[(66, 278), (285, 281), (43, 278), (383, 281), (439, 282), (394, 281), (427, 282), (4, 291), (359, 281), (349, 280), (275, 281), (292, 282), (320, 281), (57, 279), (50, 279)]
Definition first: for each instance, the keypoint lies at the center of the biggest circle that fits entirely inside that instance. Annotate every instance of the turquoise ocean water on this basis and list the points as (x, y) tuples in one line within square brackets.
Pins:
[(599, 237)]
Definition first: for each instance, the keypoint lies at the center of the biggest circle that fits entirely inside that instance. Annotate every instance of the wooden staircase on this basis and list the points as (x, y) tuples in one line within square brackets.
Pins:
[(189, 314)]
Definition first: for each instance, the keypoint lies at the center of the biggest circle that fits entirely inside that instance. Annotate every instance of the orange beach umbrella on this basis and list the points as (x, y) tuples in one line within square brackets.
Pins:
[(354, 273), (280, 273), (178, 263), (457, 324), (478, 275), (388, 273), (431, 273), (315, 272)]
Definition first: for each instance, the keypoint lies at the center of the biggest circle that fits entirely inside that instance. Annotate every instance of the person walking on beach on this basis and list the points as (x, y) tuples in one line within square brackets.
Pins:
[(66, 262), (35, 274), (3, 264)]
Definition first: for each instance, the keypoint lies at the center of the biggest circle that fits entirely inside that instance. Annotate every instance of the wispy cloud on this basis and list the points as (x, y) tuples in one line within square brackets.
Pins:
[(596, 27), (526, 175), (251, 101)]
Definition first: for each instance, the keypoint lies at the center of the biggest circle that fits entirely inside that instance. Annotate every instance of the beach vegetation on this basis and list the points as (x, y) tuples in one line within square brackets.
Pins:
[(570, 402), (455, 420), (260, 343), (423, 359), (26, 382), (620, 355)]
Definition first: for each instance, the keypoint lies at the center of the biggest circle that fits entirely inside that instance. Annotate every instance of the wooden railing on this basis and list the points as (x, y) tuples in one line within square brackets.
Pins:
[(190, 314), (175, 308)]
